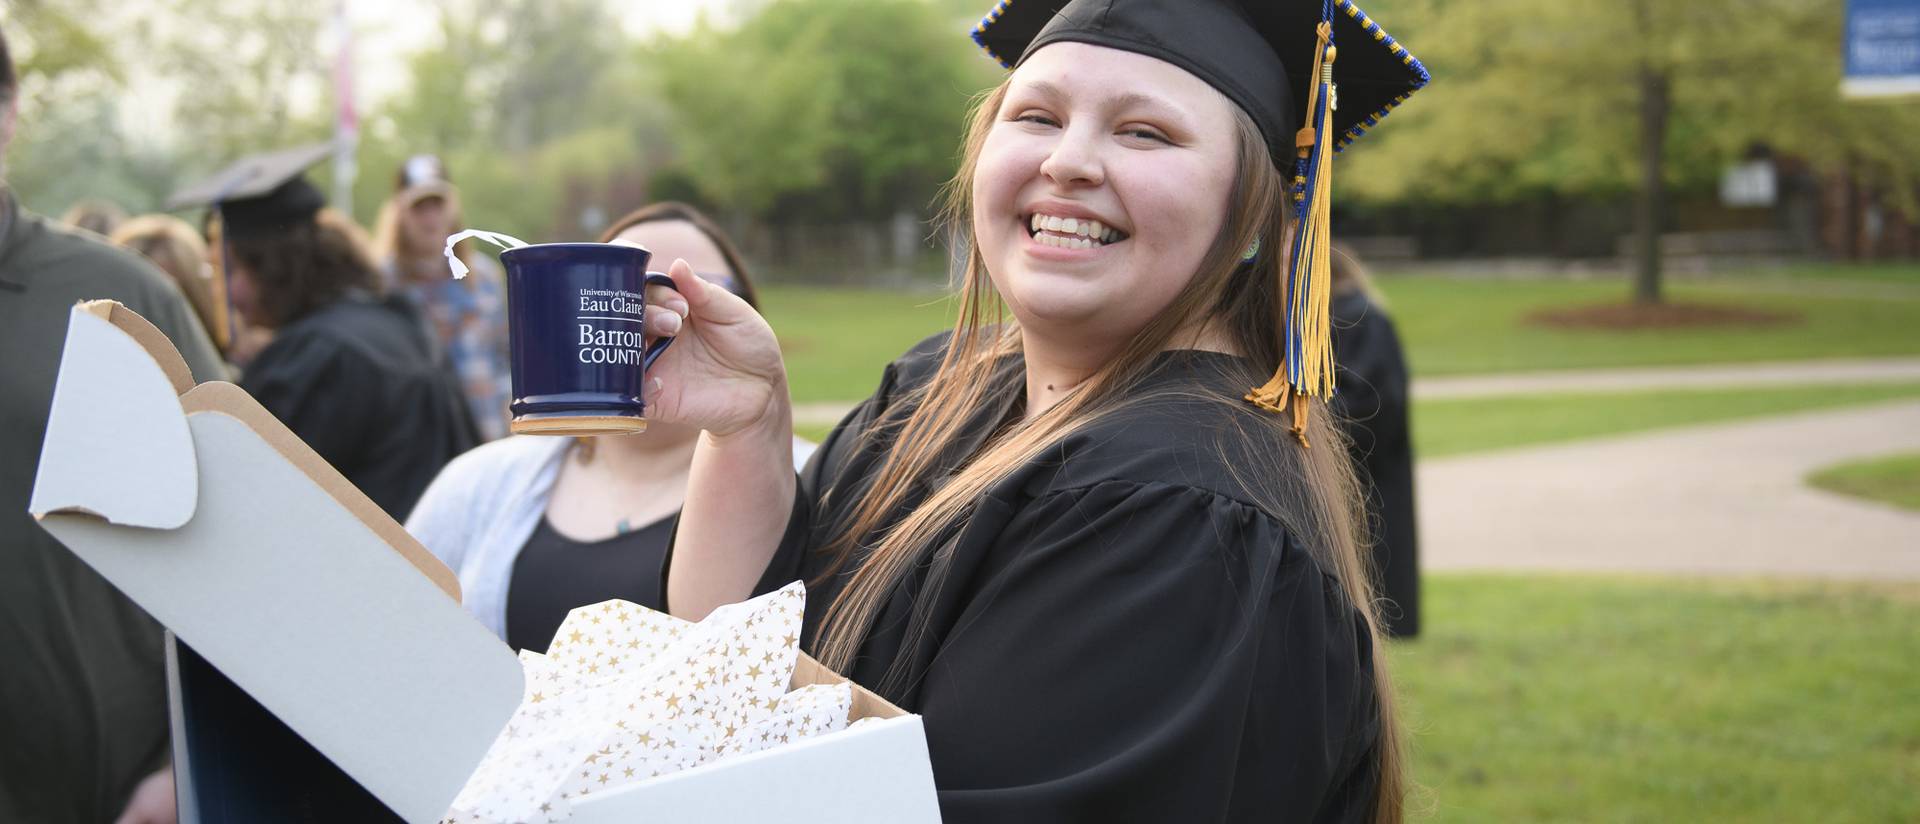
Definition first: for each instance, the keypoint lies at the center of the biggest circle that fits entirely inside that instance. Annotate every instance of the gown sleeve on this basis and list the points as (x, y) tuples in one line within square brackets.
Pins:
[(1150, 653), (807, 525)]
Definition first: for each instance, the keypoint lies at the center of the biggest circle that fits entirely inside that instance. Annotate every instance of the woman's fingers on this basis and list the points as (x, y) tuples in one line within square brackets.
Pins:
[(668, 299), (662, 321), (691, 285)]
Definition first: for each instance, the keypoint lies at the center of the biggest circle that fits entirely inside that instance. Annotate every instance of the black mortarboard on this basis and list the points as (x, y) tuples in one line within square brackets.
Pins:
[(261, 194), (1259, 53), (1312, 74)]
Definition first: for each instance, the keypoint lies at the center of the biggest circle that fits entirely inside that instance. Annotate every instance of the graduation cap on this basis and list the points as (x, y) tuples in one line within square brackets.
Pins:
[(1313, 75), (261, 194)]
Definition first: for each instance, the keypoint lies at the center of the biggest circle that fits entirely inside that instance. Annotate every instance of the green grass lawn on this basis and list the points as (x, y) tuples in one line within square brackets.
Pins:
[(1459, 426), (1455, 426), (1907, 274), (1546, 698), (1454, 326), (837, 340), (1893, 479)]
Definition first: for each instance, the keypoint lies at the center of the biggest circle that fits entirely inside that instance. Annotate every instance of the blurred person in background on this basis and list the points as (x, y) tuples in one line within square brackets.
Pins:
[(467, 316), (351, 373), (171, 244), (100, 217), (1372, 407), (537, 525), (243, 341), (83, 699)]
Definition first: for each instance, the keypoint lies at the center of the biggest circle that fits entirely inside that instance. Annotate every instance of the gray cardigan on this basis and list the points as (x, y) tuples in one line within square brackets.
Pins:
[(482, 508)]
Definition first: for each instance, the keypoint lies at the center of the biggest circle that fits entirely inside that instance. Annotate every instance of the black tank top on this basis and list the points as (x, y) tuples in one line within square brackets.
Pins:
[(555, 574)]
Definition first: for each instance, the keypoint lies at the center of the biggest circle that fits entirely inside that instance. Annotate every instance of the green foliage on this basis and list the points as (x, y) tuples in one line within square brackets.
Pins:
[(552, 65), (537, 110), (436, 111), (74, 151), (241, 61), (1530, 97), (851, 107), (51, 42), (1892, 479)]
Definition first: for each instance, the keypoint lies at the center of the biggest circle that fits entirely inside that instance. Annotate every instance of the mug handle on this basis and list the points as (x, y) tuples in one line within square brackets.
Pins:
[(659, 345)]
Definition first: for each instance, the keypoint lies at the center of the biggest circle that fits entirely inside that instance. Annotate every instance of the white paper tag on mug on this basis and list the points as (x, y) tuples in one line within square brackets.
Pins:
[(495, 238)]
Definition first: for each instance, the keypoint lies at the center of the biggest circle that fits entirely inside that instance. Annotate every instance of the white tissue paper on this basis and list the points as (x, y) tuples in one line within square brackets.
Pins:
[(625, 694)]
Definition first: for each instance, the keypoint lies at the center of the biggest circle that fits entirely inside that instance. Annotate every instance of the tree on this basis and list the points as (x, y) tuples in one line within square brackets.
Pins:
[(538, 110), (1640, 96), (241, 62), (552, 70), (847, 107), (53, 42)]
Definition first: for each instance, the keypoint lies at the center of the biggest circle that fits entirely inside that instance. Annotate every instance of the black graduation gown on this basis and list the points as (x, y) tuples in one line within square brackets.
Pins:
[(1121, 635), (1371, 404), (360, 383)]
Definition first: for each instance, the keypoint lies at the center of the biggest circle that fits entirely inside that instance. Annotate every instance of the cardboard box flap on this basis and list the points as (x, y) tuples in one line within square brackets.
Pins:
[(297, 597), (120, 383), (866, 703)]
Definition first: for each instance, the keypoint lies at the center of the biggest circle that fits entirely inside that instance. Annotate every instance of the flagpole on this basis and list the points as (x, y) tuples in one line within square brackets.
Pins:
[(346, 121)]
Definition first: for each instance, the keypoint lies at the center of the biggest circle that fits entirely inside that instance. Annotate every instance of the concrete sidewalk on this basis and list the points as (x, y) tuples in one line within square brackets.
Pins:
[(1717, 499)]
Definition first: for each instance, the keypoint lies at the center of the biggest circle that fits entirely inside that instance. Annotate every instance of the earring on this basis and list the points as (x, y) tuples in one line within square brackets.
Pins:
[(1253, 250)]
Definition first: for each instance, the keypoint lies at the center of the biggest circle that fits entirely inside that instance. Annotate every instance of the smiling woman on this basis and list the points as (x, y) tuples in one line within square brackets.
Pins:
[(1113, 588), (1079, 142)]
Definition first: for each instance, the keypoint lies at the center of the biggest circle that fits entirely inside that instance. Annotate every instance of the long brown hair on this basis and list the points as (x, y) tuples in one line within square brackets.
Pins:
[(1311, 490), (172, 244), (306, 267), (675, 210)]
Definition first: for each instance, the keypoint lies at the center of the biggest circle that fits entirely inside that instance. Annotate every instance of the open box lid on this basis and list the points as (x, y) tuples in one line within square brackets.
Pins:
[(213, 516), (209, 513)]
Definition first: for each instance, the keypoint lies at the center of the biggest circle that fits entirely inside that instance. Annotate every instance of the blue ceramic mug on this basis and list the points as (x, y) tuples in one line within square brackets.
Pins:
[(576, 328)]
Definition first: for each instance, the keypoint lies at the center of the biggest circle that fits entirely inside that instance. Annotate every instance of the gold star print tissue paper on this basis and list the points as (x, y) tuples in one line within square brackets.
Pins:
[(625, 694)]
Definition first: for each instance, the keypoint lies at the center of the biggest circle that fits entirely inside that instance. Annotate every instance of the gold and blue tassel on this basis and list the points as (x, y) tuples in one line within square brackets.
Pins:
[(1306, 365)]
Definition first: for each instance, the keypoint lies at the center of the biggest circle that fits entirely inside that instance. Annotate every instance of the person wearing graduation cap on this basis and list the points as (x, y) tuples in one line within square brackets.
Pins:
[(1374, 410), (356, 376), (1107, 548)]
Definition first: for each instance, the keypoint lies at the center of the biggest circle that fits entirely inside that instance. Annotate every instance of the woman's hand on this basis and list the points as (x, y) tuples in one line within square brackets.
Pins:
[(723, 372), (724, 375)]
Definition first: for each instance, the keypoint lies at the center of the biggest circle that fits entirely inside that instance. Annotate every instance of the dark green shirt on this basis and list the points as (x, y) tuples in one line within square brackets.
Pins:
[(83, 711)]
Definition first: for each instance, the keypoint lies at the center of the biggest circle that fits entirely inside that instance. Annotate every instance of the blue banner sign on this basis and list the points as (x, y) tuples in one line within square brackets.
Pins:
[(1883, 48)]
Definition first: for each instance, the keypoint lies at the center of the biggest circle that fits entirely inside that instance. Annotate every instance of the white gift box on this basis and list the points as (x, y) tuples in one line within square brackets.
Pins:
[(324, 669)]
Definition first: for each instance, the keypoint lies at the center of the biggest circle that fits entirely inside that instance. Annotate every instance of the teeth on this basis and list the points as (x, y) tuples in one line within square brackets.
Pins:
[(1072, 233)]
